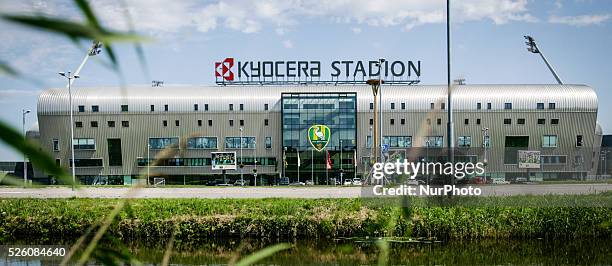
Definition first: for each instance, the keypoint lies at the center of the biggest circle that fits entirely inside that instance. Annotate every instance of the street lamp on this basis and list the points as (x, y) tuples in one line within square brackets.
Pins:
[(255, 164), (485, 143), (70, 77), (241, 161), (449, 124), (24, 112), (533, 47), (427, 143), (148, 162), (380, 102)]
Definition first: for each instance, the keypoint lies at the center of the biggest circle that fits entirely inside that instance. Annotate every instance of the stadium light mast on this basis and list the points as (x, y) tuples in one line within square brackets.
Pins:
[(533, 47), (24, 112), (70, 77), (241, 161), (450, 126)]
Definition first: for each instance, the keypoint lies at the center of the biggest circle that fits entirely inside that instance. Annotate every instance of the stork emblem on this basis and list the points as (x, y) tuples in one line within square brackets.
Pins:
[(319, 136)]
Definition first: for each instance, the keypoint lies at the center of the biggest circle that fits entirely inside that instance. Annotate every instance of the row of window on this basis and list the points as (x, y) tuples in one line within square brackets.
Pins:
[(548, 141), (208, 143), (507, 106), (177, 123), (206, 161), (507, 121), (196, 107)]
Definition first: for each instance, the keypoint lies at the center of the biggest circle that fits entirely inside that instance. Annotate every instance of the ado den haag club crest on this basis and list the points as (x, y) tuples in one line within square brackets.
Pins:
[(319, 136)]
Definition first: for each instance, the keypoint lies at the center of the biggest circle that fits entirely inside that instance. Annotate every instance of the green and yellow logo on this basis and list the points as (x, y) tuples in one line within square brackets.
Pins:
[(319, 136)]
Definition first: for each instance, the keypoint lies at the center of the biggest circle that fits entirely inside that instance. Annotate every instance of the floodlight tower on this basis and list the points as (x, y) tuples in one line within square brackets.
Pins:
[(533, 47)]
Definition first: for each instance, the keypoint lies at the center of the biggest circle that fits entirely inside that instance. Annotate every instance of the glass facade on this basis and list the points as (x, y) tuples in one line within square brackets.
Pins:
[(300, 111)]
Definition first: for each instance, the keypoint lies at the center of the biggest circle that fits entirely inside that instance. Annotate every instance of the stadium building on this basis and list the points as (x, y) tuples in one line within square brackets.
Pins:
[(117, 131)]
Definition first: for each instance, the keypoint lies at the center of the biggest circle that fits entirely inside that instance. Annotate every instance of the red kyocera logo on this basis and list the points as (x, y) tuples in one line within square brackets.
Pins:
[(224, 69)]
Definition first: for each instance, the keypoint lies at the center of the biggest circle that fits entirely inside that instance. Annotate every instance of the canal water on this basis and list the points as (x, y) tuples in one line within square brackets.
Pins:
[(365, 251)]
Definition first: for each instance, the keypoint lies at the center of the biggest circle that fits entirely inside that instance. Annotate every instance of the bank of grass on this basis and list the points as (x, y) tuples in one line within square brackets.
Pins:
[(196, 220)]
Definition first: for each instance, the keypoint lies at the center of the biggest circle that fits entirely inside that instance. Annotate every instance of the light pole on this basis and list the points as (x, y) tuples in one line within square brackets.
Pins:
[(427, 160), (341, 164), (450, 127), (533, 47), (24, 112), (148, 162), (70, 77), (255, 162), (485, 143), (380, 122), (241, 161)]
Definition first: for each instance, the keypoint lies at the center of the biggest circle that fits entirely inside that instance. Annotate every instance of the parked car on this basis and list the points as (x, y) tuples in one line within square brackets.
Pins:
[(284, 181), (500, 181), (241, 183), (297, 184), (348, 182), (357, 182), (520, 180), (309, 183)]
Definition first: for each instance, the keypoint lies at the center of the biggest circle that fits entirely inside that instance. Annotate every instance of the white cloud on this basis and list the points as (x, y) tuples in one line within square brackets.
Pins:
[(288, 44), (579, 21)]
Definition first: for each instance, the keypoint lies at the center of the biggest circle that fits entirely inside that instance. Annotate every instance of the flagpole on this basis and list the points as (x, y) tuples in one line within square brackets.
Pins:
[(312, 165), (298, 165), (355, 163), (327, 166)]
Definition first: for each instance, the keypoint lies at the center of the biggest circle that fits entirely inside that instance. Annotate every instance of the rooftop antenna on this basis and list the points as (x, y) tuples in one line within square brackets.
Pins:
[(533, 47)]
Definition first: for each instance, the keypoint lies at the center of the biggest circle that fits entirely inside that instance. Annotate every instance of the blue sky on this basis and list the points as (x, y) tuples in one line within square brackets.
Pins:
[(189, 36)]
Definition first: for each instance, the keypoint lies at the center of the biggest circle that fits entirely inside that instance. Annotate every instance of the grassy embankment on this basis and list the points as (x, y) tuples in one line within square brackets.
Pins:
[(198, 219)]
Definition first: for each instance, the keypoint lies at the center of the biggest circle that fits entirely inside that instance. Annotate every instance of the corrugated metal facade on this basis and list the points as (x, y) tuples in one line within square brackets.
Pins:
[(575, 107)]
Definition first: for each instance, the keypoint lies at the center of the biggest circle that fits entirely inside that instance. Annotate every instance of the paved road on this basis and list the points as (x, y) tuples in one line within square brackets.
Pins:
[(273, 192)]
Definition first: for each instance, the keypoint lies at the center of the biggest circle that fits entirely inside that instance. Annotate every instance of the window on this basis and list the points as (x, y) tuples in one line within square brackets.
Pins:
[(81, 108), (429, 121), (165, 123), (152, 108), (114, 152), (56, 146), (268, 142), (508, 106), (84, 144), (488, 106), (579, 142), (111, 123), (442, 106), (549, 141), (466, 121), (392, 121), (403, 106), (93, 123), (520, 121), (512, 145), (392, 106), (241, 122), (478, 121), (371, 106), (95, 109), (464, 141), (231, 123), (202, 143), (371, 121), (432, 106), (507, 121), (486, 142), (551, 106), (439, 121), (195, 107), (177, 123), (540, 106), (162, 143), (554, 159), (369, 142), (403, 121), (478, 106), (86, 162), (165, 108), (554, 121), (434, 141), (235, 143), (210, 123), (241, 107), (266, 107), (398, 141), (541, 121), (231, 107), (124, 108), (206, 107), (125, 123), (199, 122), (78, 124), (266, 122)]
